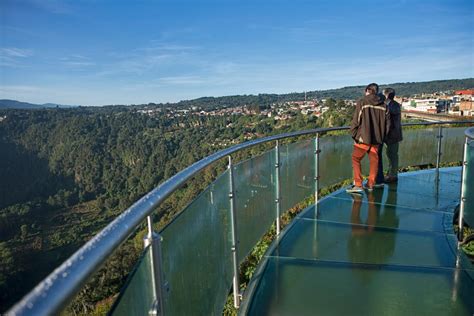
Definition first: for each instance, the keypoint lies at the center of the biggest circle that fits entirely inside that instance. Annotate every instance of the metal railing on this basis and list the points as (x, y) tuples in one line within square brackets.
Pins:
[(467, 174), (55, 291)]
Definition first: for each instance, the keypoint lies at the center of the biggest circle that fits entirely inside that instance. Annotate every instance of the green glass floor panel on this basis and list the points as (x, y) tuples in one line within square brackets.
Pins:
[(419, 191), (327, 241), (415, 195), (299, 287), (425, 182), (370, 210)]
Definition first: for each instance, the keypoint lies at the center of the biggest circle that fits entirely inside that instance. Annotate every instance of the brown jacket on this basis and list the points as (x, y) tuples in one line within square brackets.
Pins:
[(371, 121)]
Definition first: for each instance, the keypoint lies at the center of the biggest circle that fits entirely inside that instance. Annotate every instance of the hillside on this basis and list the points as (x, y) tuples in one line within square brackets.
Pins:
[(13, 104), (65, 173), (352, 92), (264, 100)]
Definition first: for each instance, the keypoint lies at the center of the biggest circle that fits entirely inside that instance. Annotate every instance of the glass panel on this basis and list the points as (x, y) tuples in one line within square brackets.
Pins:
[(301, 287), (254, 183), (452, 144), (296, 172), (362, 243), (418, 147), (197, 255), (469, 186), (421, 191), (382, 214), (137, 296), (335, 162)]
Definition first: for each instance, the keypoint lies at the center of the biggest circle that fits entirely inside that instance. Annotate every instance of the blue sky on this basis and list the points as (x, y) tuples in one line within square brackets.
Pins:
[(132, 52)]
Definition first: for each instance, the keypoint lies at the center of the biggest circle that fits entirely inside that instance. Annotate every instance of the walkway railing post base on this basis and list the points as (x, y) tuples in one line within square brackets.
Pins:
[(153, 240)]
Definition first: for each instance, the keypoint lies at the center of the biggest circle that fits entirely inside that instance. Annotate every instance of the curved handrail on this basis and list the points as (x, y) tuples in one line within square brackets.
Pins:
[(54, 292)]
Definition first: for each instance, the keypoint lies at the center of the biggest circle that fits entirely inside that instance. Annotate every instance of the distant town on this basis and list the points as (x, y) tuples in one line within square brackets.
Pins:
[(456, 103)]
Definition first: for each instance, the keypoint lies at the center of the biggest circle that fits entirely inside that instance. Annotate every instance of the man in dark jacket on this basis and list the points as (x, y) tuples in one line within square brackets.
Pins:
[(394, 135), (369, 127)]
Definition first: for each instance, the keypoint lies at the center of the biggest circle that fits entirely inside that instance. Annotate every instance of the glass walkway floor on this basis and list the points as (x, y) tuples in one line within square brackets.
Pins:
[(389, 252)]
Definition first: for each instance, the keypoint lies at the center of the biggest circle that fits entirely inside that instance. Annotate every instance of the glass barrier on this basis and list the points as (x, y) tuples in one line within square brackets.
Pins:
[(196, 247), (418, 147), (335, 159), (452, 144), (254, 186), (296, 172), (196, 250), (137, 296), (468, 183)]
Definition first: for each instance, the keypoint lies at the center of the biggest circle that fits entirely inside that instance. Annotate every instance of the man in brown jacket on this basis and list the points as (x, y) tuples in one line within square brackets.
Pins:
[(370, 124)]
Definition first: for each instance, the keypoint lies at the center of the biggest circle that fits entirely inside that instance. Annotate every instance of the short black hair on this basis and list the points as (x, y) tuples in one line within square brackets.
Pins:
[(381, 96), (372, 88), (389, 93)]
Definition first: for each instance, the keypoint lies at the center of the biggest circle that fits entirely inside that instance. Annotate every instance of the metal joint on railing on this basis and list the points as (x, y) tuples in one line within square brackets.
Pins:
[(154, 310)]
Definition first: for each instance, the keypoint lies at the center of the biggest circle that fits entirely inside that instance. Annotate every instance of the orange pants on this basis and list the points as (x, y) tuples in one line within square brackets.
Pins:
[(359, 152)]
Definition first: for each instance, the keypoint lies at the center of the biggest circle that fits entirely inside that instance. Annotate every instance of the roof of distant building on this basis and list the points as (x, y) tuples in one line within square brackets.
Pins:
[(465, 92)]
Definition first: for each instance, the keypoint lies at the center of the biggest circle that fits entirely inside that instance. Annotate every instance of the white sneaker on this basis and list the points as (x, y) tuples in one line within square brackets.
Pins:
[(354, 189)]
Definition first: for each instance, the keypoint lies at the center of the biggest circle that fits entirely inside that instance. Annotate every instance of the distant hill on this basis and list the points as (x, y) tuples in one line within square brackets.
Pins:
[(265, 99), (13, 104), (352, 92)]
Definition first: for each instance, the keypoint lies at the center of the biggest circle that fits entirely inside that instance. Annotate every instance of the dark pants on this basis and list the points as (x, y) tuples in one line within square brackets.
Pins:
[(392, 155), (379, 178)]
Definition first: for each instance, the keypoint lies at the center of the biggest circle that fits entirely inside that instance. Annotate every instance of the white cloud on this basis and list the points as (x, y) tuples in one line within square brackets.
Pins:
[(13, 57), (182, 80), (15, 52), (77, 62), (151, 58), (12, 89)]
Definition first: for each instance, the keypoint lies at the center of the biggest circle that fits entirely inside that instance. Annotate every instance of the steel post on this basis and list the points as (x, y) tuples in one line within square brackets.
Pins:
[(463, 189), (153, 240), (234, 247), (438, 155), (277, 187), (316, 169)]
